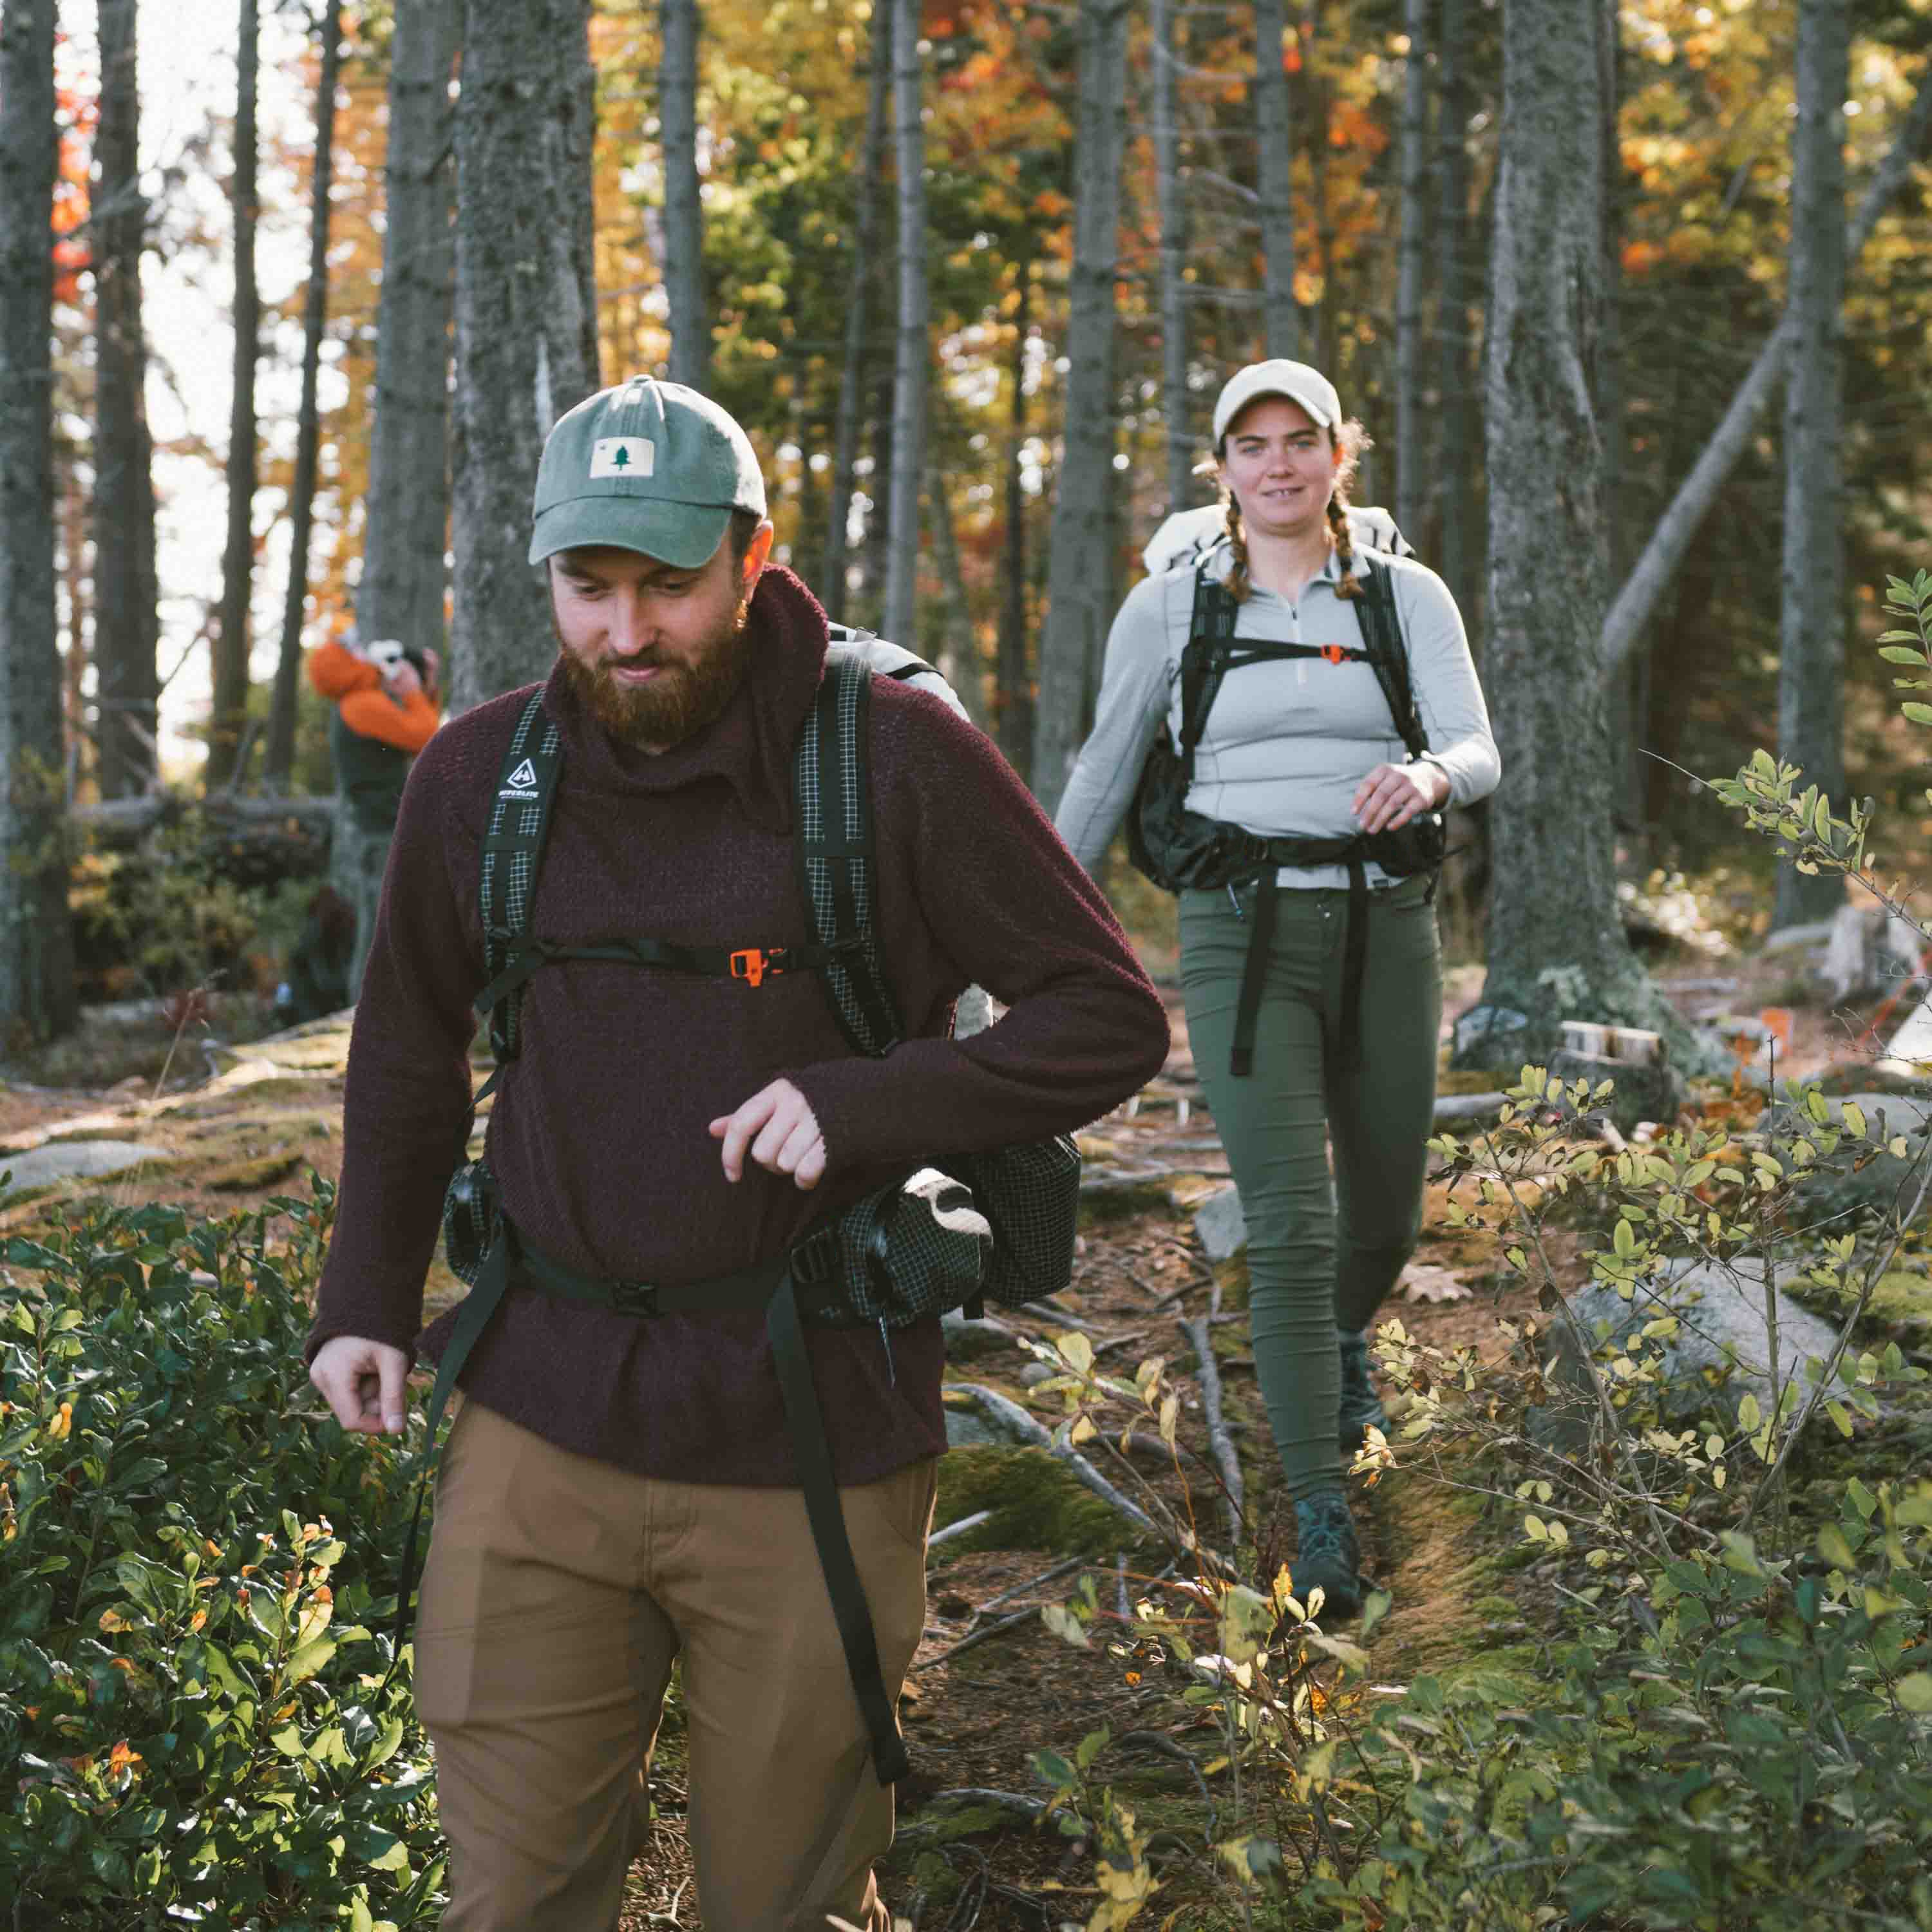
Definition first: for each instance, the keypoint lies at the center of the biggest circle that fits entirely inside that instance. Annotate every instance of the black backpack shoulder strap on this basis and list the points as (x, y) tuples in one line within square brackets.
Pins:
[(512, 850), (1388, 653), (838, 870), (1204, 661)]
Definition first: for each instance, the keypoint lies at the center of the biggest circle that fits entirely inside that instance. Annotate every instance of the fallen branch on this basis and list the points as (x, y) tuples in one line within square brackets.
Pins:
[(1232, 1499), (953, 1529), (1012, 1622), (1052, 1576), (1015, 1422)]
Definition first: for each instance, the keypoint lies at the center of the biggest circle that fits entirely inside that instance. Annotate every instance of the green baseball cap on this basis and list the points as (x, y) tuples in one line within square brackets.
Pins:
[(648, 466)]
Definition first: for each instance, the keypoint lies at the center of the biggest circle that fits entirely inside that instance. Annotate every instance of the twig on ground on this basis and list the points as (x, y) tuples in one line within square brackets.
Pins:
[(1125, 1609), (1233, 1501), (1153, 1740), (1052, 1576), (953, 1529), (1005, 1624)]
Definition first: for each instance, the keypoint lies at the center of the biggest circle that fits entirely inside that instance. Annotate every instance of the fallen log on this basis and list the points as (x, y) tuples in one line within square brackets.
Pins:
[(1233, 1502)]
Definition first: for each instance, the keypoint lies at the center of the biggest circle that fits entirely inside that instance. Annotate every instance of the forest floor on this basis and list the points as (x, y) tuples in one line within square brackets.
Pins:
[(234, 1126)]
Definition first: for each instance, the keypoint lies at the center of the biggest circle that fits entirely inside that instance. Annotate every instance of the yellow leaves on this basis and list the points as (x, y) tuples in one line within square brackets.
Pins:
[(61, 1426), (111, 1621), (122, 1759)]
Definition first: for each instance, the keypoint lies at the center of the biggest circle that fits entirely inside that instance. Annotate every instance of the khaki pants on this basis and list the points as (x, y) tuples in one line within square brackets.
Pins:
[(557, 1592)]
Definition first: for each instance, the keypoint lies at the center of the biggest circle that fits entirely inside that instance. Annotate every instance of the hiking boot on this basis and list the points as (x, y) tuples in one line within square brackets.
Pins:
[(1361, 1407), (1329, 1554)]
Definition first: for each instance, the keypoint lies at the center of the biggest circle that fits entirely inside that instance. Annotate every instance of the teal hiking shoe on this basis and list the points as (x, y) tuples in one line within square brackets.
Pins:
[(1361, 1407), (1329, 1554)]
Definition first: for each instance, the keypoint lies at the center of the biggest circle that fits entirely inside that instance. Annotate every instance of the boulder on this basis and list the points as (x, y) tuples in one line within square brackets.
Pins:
[(62, 1160), (1221, 1225)]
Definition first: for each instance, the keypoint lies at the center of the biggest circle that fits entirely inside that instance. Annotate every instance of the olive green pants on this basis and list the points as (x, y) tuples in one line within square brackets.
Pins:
[(1321, 1257)]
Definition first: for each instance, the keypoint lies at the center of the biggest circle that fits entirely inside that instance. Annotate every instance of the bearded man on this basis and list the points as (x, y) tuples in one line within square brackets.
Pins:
[(618, 1490)]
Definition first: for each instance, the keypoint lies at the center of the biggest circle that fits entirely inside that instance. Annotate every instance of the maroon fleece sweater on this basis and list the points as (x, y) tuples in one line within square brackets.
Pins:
[(599, 1138)]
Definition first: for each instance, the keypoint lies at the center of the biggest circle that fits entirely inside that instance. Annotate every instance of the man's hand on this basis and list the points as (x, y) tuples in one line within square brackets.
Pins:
[(1391, 795), (363, 1382), (778, 1128), (403, 683)]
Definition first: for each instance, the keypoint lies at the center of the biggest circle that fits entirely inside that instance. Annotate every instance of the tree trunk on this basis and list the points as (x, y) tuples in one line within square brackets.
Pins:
[(832, 588), (1274, 178), (901, 615), (959, 653), (526, 316), (1455, 282), (126, 600), (37, 988), (1411, 466), (1811, 659), (281, 750), (684, 216), (1165, 53), (406, 533), (1678, 526), (228, 715), (1556, 948), (877, 553), (1013, 697), (1077, 614)]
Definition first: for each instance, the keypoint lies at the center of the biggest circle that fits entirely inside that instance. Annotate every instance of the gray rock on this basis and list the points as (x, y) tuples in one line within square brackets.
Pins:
[(1497, 1027), (61, 1160), (1034, 1373), (1721, 1316), (965, 1339), (1222, 1227), (967, 1429)]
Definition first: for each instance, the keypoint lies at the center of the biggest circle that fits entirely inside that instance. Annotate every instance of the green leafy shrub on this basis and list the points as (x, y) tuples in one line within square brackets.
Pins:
[(196, 1723)]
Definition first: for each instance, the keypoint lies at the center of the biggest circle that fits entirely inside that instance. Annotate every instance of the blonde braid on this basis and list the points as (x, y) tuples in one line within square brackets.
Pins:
[(1237, 543), (1343, 537)]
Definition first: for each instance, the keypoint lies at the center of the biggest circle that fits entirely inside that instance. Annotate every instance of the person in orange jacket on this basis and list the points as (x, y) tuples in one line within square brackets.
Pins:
[(387, 708)]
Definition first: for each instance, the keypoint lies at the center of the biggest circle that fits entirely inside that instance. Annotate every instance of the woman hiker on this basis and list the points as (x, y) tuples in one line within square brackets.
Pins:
[(1329, 712)]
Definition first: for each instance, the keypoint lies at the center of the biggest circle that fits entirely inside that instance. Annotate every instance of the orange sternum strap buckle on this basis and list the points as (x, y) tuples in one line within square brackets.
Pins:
[(751, 963)]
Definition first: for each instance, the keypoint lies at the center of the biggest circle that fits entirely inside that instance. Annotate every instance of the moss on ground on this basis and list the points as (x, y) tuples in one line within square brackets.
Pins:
[(1037, 1503)]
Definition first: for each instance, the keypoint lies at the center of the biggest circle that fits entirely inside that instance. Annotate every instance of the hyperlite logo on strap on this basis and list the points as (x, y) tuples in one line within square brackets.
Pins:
[(521, 783)]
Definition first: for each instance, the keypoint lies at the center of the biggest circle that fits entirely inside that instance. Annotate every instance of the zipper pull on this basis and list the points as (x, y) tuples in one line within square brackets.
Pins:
[(886, 1342), (1235, 900)]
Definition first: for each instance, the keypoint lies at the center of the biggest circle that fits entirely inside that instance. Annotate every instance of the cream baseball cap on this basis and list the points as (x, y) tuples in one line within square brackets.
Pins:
[(1297, 381)]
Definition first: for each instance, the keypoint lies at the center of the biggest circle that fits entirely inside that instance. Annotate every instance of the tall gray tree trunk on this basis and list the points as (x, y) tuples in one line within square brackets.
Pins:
[(126, 623), (526, 316), (37, 990), (1274, 178), (1411, 464), (1811, 639), (959, 650), (1556, 947), (867, 189), (1456, 378), (228, 716), (1678, 527), (281, 756), (684, 216), (1079, 579), (1164, 52), (1013, 696), (406, 533), (915, 350)]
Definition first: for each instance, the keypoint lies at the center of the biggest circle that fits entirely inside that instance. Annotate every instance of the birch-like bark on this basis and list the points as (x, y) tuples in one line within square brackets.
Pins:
[(1078, 577), (1274, 179), (1013, 706), (281, 748), (1411, 465), (1165, 54), (37, 989), (901, 622), (126, 624), (1678, 527), (406, 532), (1811, 659), (1457, 379), (1556, 948), (525, 317), (867, 190), (683, 212), (227, 718)]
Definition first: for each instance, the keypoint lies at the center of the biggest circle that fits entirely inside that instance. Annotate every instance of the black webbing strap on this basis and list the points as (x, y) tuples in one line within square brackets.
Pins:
[(813, 1453), (1388, 657), (1254, 975), (752, 964)]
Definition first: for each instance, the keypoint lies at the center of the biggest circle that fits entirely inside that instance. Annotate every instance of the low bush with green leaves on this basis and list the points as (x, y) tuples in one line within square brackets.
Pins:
[(198, 1725)]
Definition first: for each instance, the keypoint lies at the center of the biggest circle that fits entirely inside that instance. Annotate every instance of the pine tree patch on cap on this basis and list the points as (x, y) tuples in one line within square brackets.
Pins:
[(623, 456)]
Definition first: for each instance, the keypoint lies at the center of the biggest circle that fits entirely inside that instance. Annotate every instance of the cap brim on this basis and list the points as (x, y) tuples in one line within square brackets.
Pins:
[(684, 534)]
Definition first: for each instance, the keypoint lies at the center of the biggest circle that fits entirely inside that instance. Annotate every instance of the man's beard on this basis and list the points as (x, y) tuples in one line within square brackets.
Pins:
[(679, 701)]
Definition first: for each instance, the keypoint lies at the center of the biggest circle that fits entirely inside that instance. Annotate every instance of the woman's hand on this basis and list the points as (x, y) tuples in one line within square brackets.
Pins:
[(1391, 795)]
